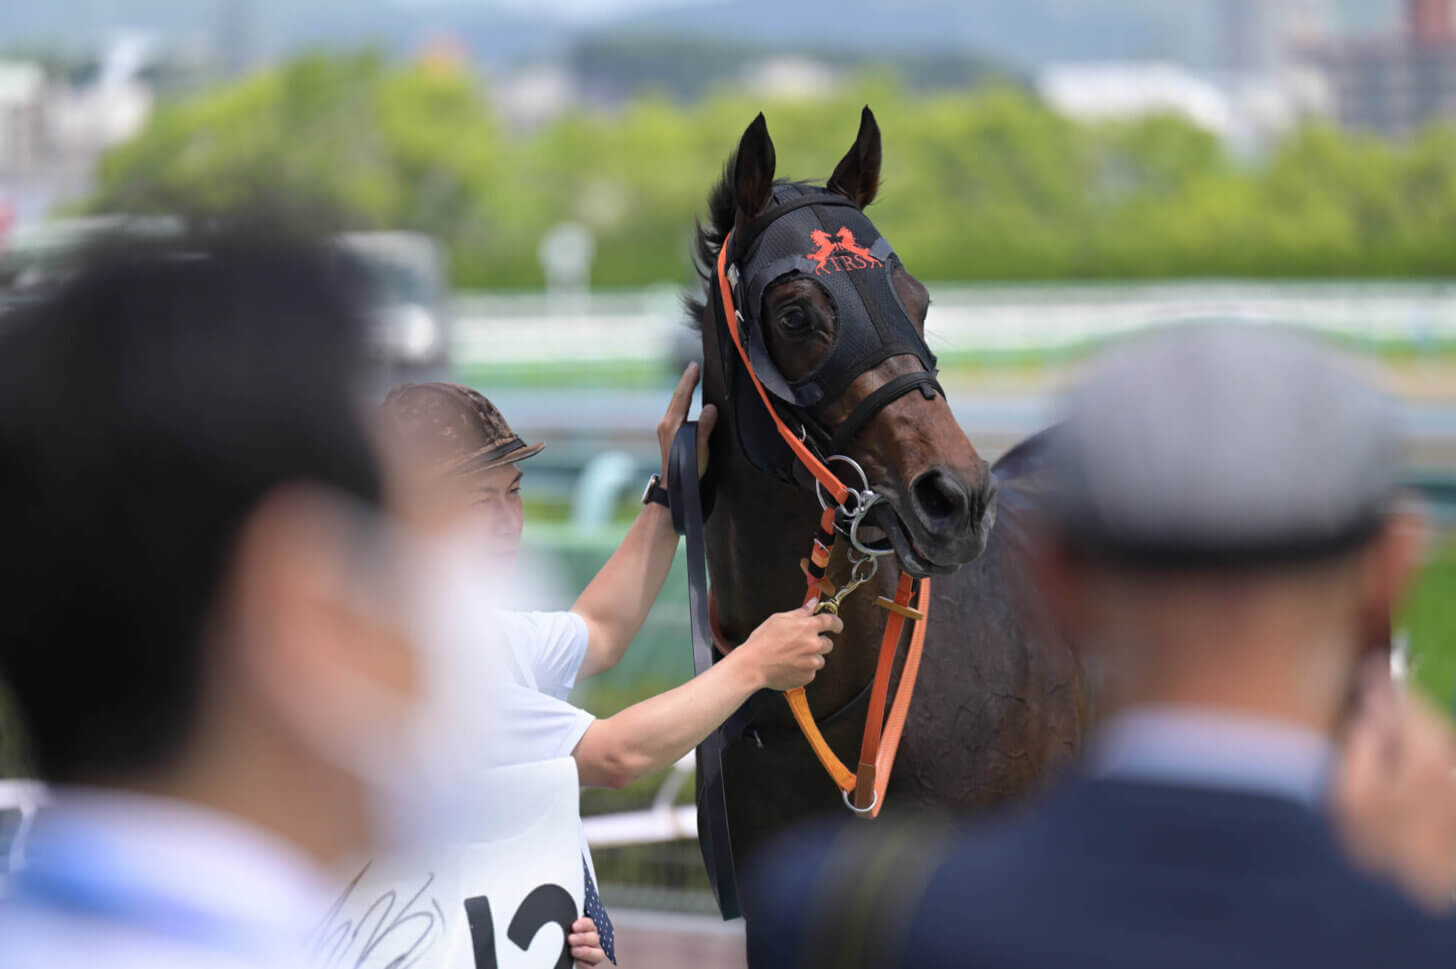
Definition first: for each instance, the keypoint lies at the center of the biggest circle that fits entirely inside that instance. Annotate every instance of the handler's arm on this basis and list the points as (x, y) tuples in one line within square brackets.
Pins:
[(785, 652), (617, 601)]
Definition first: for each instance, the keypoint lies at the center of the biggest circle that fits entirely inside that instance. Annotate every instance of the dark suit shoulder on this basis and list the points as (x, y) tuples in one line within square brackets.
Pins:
[(1097, 874), (804, 889), (1154, 875)]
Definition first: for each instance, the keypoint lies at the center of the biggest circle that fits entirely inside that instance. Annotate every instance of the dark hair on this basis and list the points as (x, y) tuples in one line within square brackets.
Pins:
[(147, 406)]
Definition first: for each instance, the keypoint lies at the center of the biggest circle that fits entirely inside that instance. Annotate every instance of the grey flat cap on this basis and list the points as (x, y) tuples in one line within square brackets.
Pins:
[(1209, 444)]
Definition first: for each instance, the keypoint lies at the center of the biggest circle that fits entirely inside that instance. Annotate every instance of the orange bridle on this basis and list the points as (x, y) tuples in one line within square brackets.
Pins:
[(881, 734)]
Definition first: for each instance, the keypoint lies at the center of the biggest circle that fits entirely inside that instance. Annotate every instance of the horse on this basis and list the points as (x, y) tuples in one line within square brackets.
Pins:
[(1001, 698)]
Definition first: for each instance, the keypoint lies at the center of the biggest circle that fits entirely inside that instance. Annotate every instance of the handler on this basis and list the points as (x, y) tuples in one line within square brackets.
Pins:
[(465, 458)]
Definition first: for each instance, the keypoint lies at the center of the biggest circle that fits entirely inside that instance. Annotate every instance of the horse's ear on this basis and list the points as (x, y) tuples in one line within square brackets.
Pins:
[(753, 169), (857, 177)]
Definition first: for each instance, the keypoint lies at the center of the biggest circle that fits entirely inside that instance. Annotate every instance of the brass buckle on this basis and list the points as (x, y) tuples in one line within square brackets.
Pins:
[(885, 602)]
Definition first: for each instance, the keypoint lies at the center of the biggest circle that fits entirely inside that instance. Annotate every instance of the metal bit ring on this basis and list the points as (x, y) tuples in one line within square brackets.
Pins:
[(856, 521), (859, 495)]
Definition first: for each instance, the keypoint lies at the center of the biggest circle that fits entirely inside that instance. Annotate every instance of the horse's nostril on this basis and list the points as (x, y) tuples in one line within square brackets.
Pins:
[(939, 497)]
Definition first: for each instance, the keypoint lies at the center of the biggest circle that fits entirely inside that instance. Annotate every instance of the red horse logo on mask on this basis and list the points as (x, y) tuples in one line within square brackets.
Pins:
[(840, 253)]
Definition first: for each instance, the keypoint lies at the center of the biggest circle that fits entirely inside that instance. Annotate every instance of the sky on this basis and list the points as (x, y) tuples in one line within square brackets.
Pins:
[(581, 11), (1356, 14)]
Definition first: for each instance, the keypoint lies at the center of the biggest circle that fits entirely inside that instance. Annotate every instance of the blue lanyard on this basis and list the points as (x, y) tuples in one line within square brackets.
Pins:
[(85, 891)]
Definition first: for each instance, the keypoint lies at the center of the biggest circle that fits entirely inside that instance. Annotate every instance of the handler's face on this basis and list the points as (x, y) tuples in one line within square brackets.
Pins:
[(496, 513)]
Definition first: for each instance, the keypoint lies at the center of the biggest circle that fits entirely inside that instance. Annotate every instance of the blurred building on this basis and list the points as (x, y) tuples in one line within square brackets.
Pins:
[(22, 116), (55, 126), (1248, 109), (445, 54), (535, 95), (1114, 90), (1249, 42), (1396, 85), (796, 77), (111, 103), (1261, 38)]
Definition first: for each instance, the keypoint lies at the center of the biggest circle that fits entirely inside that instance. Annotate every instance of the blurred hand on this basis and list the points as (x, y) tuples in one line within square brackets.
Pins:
[(789, 648), (586, 945), (677, 412), (1395, 793)]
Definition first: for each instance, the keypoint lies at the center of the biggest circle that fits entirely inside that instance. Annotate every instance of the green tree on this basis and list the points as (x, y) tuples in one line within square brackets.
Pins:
[(986, 183), (343, 142)]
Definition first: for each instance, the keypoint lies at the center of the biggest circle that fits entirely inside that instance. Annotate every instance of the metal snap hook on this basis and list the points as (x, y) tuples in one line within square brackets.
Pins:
[(870, 565), (862, 569)]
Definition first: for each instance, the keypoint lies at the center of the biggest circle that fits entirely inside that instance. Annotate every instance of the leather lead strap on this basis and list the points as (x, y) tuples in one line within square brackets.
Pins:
[(865, 782), (799, 701), (714, 839), (882, 735), (900, 708)]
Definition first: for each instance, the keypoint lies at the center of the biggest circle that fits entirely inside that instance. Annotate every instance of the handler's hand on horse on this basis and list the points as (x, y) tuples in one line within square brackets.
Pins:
[(677, 412), (1395, 793), (789, 648)]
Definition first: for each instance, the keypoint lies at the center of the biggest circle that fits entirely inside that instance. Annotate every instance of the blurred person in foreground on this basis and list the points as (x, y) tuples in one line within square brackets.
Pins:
[(461, 461), (217, 665), (1225, 534)]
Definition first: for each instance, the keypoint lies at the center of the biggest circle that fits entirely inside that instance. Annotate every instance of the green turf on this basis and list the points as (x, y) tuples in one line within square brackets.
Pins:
[(576, 374), (1429, 617)]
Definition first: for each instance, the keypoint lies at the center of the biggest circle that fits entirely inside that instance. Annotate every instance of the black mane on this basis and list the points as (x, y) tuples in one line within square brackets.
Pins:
[(708, 239)]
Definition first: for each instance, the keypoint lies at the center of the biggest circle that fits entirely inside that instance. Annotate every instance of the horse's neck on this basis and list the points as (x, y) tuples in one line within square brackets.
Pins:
[(759, 531)]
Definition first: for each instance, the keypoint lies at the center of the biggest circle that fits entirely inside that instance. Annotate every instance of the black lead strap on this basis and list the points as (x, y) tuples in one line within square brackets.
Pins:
[(685, 497)]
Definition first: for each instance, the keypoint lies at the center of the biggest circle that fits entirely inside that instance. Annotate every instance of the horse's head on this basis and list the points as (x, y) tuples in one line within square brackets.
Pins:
[(834, 326)]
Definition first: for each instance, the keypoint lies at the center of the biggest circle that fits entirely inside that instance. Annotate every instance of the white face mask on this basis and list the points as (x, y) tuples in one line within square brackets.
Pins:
[(419, 757)]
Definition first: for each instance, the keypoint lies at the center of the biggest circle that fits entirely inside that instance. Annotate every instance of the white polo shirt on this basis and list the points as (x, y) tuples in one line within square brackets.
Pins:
[(544, 653), (534, 722)]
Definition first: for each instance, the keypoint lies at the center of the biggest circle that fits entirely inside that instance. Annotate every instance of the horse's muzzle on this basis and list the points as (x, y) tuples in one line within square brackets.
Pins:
[(942, 524)]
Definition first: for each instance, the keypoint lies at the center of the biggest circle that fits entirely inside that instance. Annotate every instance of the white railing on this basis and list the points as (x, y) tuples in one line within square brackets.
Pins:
[(503, 329), (663, 821)]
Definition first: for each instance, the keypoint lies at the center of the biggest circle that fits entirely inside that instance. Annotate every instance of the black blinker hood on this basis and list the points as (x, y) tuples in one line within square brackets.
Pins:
[(814, 234)]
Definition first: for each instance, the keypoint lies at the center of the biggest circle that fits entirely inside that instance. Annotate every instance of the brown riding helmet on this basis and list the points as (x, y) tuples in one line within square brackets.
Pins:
[(453, 427)]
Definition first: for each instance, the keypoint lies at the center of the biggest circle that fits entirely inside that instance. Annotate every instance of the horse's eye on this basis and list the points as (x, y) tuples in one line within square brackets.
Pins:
[(794, 319)]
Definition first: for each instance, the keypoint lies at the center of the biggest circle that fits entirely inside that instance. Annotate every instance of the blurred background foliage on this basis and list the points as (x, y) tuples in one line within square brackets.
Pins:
[(1429, 618), (983, 183)]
